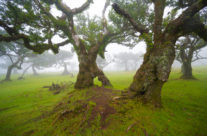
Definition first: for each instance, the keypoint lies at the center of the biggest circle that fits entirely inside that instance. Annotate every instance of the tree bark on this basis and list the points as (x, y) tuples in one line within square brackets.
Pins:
[(85, 76), (153, 73), (187, 70), (16, 64), (186, 60), (155, 70), (88, 70), (8, 73)]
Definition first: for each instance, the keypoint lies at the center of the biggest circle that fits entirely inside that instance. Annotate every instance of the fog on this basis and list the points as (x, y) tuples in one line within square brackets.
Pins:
[(112, 49)]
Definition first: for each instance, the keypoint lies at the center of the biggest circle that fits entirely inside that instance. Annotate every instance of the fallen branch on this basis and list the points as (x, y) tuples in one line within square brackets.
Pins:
[(58, 87)]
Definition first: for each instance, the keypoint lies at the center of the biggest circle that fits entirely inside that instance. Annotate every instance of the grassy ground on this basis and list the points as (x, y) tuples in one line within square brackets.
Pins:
[(28, 109)]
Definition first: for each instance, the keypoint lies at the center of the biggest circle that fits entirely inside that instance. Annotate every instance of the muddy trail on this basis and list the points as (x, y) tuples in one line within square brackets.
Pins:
[(97, 102)]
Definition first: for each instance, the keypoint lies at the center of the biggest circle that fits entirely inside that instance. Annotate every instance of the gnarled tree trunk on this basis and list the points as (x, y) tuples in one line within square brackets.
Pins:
[(16, 64), (155, 70), (85, 76), (187, 71), (88, 70), (186, 60), (101, 76), (153, 73), (8, 73)]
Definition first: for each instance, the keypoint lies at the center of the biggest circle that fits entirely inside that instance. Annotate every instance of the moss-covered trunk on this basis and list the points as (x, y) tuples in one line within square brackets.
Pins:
[(85, 76), (88, 70), (186, 60), (153, 73), (187, 70)]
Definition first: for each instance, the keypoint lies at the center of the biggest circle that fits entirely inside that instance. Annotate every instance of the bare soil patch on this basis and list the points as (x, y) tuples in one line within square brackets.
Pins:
[(103, 98)]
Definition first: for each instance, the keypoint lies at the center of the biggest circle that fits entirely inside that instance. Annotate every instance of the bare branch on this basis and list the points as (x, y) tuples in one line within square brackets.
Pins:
[(82, 8), (107, 3), (159, 6), (197, 56), (64, 8), (8, 55), (70, 12), (138, 27), (104, 21)]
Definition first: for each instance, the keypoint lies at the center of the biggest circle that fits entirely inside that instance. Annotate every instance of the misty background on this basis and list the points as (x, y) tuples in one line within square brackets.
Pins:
[(113, 54), (133, 57)]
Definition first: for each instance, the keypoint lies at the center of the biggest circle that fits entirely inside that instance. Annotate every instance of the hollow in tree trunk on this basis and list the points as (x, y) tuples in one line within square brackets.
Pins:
[(152, 74), (101, 76), (88, 70)]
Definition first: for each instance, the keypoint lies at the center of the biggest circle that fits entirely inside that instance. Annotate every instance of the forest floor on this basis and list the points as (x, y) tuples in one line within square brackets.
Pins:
[(28, 109)]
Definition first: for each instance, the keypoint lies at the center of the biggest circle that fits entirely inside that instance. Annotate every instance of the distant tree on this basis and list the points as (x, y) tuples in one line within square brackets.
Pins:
[(127, 60), (41, 61), (102, 63), (24, 72), (15, 71), (4, 63), (187, 51), (62, 59), (16, 54), (46, 60), (38, 62), (34, 69)]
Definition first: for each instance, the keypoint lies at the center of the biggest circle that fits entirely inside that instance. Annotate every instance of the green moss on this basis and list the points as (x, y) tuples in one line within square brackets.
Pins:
[(23, 102)]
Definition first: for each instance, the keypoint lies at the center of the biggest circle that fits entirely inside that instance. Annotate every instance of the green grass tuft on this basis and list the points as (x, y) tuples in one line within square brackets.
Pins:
[(28, 109)]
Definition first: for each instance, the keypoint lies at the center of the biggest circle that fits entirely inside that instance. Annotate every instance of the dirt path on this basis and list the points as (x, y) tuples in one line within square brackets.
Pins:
[(103, 98)]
